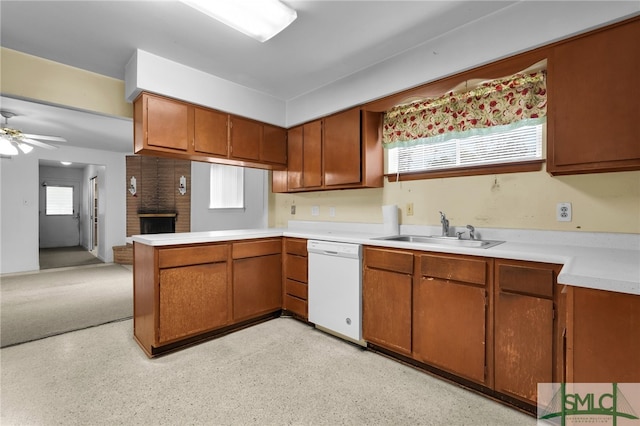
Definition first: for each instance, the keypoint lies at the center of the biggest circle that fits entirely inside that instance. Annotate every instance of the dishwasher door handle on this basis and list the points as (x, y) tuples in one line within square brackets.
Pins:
[(333, 253)]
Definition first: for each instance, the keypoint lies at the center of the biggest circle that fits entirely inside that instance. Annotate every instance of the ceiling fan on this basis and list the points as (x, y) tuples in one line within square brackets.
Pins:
[(12, 140)]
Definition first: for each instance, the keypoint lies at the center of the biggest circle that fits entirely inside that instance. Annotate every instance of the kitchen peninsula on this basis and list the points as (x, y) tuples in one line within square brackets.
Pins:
[(577, 304)]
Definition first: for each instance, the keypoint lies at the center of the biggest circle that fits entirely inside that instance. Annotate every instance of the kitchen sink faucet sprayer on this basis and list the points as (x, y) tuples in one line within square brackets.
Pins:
[(445, 224)]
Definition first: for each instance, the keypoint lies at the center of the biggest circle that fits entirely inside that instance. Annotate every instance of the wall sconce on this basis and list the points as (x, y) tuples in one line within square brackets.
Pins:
[(133, 186), (182, 188)]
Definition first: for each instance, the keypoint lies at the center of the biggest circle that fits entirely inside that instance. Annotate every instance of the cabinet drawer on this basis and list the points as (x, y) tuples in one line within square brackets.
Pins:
[(389, 260), (246, 249), (295, 288), (182, 256), (295, 305), (526, 280), (296, 268), (454, 268), (296, 246)]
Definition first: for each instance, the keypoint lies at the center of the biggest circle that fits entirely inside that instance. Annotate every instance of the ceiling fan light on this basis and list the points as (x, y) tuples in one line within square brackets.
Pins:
[(25, 148), (260, 20), (7, 148)]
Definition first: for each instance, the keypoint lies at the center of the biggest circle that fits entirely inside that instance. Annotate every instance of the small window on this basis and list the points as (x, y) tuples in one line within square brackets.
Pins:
[(59, 200), (226, 190), (498, 147)]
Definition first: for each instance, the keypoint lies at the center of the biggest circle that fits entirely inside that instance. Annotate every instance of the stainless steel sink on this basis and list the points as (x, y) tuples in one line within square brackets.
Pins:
[(446, 241)]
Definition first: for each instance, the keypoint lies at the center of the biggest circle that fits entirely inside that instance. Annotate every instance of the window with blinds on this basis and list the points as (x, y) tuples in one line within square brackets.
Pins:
[(226, 187), (497, 147), (59, 200)]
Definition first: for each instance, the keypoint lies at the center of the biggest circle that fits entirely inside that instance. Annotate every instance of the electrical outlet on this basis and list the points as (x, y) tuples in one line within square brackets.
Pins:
[(332, 211), (563, 212), (315, 210), (293, 209), (409, 209)]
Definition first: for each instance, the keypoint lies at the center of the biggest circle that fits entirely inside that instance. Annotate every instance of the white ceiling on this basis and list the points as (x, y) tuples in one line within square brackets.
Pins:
[(330, 40)]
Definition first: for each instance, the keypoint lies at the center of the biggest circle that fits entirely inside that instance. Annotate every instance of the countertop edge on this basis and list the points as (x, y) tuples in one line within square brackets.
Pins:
[(588, 267)]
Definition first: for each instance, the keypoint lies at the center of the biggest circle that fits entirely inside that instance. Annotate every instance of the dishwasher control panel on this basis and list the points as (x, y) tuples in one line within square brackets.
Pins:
[(334, 248)]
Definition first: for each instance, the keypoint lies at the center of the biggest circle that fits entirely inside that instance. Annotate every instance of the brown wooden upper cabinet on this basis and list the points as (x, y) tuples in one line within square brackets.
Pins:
[(210, 132), (593, 117), (172, 128), (339, 151)]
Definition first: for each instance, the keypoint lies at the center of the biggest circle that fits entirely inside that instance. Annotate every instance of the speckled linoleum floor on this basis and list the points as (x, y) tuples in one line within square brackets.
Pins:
[(281, 372)]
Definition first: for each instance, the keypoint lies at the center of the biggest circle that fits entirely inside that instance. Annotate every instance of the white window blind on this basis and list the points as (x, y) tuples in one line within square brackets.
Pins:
[(59, 200), (226, 189), (520, 144)]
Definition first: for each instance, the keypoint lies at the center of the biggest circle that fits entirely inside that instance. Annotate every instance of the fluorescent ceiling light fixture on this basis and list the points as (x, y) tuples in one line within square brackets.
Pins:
[(66, 163), (259, 19)]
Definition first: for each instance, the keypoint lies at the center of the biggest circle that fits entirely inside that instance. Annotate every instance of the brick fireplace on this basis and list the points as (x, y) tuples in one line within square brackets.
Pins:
[(157, 206)]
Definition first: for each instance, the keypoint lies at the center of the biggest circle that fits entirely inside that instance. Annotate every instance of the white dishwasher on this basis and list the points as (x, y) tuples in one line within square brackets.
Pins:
[(335, 288)]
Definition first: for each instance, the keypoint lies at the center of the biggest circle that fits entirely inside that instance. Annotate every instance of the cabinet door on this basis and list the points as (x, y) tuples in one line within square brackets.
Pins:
[(274, 145), (524, 326), (312, 155), (449, 326), (341, 144), (603, 336), (294, 154), (386, 309), (193, 299), (167, 123), (257, 286), (593, 92), (246, 138), (523, 344), (210, 132)]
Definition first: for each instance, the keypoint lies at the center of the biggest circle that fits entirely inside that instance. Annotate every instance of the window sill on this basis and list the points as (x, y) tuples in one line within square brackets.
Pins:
[(529, 166)]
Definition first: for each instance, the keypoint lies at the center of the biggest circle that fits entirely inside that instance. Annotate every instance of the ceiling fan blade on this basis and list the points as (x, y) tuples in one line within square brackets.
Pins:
[(38, 143), (45, 138)]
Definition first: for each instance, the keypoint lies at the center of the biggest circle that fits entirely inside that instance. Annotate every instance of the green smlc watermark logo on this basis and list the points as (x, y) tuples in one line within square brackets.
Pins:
[(567, 404)]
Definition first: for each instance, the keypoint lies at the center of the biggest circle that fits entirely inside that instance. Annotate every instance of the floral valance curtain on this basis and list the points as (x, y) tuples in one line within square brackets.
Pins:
[(514, 101)]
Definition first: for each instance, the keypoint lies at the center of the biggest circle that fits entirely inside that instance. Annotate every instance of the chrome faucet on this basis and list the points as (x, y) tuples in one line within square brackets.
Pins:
[(472, 232), (445, 224)]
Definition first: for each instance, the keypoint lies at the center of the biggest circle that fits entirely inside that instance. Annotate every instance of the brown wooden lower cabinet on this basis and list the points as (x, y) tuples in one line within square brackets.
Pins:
[(193, 299), (492, 322), (187, 292), (450, 315), (386, 298), (295, 277), (257, 277), (526, 331), (603, 336)]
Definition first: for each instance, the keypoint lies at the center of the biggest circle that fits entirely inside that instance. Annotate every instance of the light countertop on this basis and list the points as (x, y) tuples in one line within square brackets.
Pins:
[(599, 261)]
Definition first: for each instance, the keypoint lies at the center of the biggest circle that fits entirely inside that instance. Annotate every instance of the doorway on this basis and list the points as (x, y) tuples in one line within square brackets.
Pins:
[(68, 215)]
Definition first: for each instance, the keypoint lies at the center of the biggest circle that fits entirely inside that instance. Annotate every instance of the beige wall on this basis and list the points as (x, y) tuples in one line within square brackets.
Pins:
[(34, 78), (603, 202)]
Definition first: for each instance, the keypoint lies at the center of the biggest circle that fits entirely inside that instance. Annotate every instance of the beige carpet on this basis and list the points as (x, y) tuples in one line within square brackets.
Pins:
[(61, 257), (34, 306)]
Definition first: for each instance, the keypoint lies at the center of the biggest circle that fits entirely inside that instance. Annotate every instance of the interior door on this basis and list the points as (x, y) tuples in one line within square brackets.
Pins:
[(59, 213)]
